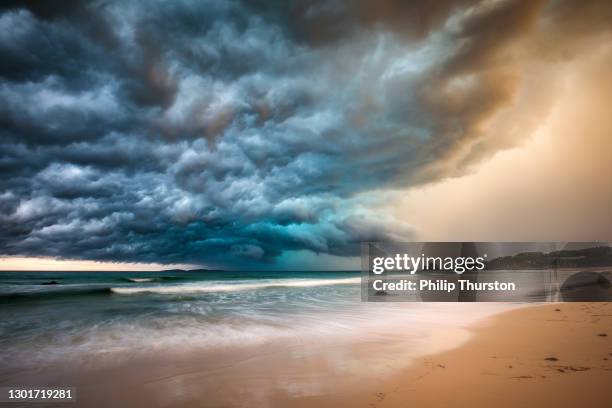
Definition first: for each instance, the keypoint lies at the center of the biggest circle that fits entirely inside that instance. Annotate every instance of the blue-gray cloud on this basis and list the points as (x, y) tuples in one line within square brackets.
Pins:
[(225, 133)]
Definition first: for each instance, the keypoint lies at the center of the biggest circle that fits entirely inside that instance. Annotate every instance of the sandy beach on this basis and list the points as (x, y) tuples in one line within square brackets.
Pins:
[(552, 355), (543, 355), (530, 356)]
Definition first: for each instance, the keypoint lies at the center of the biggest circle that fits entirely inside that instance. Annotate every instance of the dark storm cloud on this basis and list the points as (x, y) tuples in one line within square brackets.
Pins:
[(226, 133), (323, 22)]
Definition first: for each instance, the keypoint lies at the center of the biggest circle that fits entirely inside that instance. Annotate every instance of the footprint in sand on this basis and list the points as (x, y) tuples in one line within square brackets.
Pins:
[(379, 397), (564, 369)]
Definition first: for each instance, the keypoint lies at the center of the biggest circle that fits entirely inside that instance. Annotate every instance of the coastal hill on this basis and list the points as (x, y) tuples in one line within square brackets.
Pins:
[(589, 257)]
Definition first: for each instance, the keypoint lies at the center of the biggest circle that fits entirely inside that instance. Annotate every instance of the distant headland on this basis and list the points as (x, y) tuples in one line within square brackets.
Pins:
[(580, 258)]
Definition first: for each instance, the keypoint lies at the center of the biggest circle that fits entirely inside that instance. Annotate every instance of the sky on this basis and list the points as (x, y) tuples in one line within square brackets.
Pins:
[(280, 135)]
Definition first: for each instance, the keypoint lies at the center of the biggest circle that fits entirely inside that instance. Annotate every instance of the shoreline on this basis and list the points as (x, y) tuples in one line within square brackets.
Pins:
[(329, 366), (546, 355), (528, 355)]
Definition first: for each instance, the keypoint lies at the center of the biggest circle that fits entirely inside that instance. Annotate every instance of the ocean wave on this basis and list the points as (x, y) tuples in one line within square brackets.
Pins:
[(154, 279), (55, 293), (234, 287)]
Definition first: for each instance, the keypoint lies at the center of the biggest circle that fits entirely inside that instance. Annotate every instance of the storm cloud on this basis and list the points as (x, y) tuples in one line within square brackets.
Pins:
[(227, 133)]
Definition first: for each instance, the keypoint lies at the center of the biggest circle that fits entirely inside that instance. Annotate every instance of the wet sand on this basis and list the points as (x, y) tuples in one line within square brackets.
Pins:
[(556, 355), (548, 355)]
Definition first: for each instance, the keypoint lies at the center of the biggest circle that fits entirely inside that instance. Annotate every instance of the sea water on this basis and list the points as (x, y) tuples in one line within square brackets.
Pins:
[(105, 319)]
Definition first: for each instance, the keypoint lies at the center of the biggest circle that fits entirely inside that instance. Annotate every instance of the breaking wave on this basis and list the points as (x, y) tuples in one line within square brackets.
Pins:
[(233, 287)]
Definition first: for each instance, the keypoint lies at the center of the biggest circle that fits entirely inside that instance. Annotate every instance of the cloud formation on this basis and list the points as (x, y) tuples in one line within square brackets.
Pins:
[(226, 133)]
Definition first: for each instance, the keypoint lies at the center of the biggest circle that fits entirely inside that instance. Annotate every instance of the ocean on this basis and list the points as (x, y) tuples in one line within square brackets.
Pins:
[(56, 324)]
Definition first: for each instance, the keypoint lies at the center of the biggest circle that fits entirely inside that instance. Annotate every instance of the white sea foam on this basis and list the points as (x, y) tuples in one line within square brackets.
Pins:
[(234, 287), (139, 280), (420, 328)]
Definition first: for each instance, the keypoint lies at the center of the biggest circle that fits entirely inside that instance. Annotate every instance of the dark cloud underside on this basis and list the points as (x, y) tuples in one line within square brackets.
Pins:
[(226, 133)]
